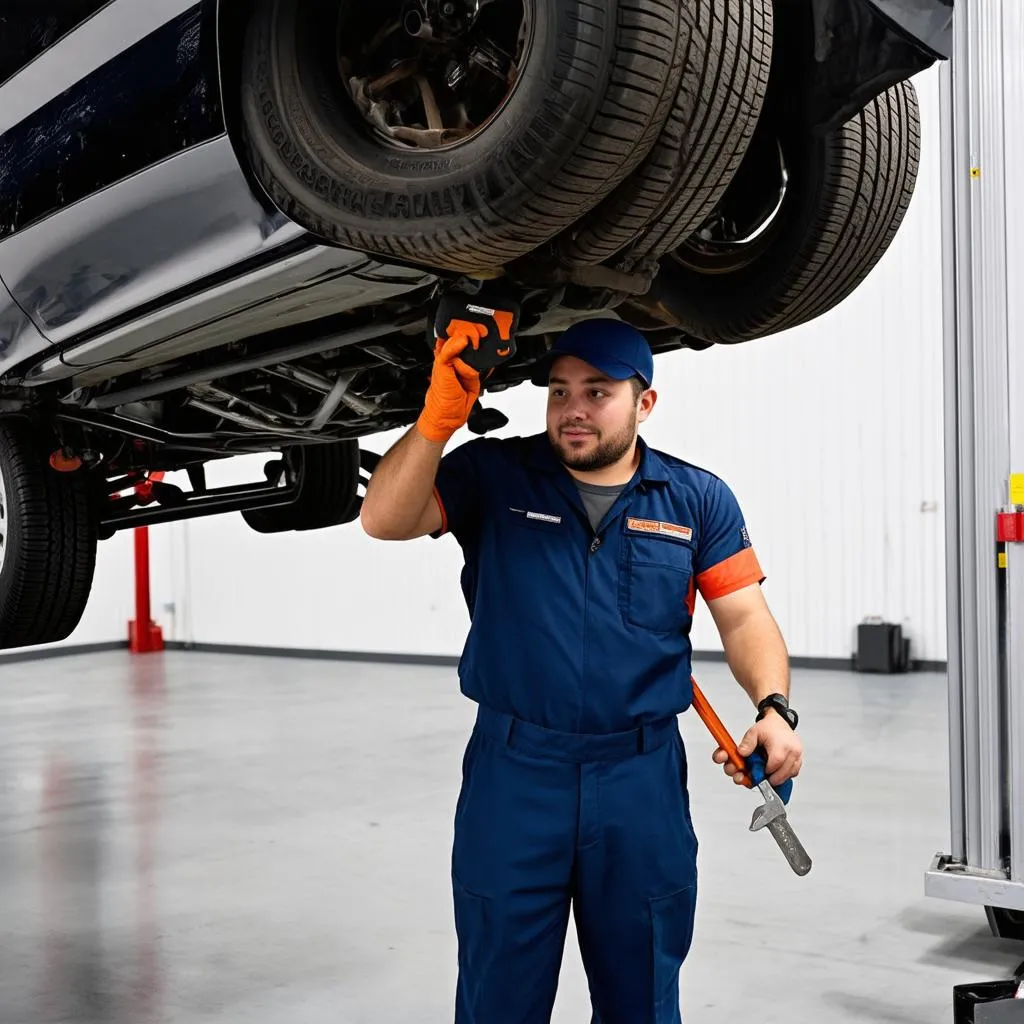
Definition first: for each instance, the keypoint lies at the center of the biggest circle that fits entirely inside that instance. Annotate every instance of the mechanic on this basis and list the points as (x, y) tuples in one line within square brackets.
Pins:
[(584, 549)]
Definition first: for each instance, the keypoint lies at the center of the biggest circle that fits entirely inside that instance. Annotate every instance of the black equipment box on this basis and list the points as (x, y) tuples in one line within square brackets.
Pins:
[(881, 647)]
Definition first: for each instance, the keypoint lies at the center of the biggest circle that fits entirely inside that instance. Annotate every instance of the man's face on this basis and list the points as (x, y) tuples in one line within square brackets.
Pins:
[(592, 420)]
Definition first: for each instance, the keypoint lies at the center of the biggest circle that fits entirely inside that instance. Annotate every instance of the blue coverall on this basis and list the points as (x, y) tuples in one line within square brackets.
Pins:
[(574, 785)]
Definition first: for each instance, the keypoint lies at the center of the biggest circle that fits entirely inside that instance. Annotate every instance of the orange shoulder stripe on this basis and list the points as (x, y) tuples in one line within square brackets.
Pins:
[(444, 514), (730, 575)]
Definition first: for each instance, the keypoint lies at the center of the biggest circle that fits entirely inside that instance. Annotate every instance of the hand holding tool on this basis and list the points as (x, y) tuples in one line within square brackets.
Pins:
[(757, 772), (457, 313), (773, 813), (469, 339), (454, 386)]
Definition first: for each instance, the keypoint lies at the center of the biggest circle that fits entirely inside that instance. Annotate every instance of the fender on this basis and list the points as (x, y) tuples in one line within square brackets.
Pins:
[(929, 25), (833, 57)]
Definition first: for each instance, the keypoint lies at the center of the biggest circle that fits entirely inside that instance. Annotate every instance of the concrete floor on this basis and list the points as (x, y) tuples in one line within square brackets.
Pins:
[(193, 838)]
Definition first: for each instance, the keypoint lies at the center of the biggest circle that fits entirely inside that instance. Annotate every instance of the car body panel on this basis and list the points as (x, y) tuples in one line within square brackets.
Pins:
[(28, 29), (314, 283), (19, 337), (857, 49), (104, 103), (928, 22), (124, 248)]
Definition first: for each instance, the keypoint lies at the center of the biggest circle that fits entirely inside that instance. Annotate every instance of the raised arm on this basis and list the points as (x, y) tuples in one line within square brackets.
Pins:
[(400, 502)]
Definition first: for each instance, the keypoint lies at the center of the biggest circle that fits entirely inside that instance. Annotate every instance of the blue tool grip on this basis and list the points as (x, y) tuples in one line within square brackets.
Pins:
[(756, 766)]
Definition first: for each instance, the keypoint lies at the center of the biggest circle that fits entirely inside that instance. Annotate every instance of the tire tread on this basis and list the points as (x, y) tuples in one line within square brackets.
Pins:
[(716, 109), (636, 41), (52, 533), (870, 171), (872, 184), (328, 495)]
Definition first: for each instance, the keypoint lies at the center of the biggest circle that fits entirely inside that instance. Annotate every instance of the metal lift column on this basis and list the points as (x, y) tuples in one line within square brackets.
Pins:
[(983, 239)]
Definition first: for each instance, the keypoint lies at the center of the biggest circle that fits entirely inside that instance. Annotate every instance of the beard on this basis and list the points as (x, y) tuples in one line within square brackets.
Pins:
[(608, 451)]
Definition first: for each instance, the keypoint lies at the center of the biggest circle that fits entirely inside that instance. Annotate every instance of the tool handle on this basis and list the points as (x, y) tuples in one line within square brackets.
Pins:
[(719, 731), (755, 767)]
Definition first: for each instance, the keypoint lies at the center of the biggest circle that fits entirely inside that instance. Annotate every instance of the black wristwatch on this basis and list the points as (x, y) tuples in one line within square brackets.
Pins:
[(781, 705)]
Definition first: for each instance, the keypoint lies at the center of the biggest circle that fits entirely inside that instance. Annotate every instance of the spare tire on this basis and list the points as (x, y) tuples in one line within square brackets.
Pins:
[(328, 476), (845, 198), (720, 97), (452, 134)]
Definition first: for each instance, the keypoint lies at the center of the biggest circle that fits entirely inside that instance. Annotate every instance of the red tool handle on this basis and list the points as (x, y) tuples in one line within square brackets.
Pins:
[(719, 731)]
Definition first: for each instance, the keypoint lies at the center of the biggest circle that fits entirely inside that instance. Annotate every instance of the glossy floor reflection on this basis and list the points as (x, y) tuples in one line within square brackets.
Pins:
[(193, 838)]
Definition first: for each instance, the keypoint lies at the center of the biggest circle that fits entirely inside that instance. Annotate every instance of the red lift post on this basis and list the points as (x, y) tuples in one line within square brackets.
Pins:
[(144, 635)]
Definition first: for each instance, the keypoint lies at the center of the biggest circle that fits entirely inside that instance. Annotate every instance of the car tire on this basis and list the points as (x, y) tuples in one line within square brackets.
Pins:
[(719, 100), (328, 477), (48, 542), (598, 81), (847, 195)]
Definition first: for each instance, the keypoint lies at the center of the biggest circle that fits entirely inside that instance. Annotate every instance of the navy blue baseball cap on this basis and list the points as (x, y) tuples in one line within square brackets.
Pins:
[(611, 346)]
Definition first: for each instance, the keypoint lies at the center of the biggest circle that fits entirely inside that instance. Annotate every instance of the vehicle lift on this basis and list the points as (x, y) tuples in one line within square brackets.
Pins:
[(983, 287)]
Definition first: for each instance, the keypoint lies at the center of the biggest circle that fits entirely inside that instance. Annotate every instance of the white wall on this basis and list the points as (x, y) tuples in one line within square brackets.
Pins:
[(112, 600), (843, 504)]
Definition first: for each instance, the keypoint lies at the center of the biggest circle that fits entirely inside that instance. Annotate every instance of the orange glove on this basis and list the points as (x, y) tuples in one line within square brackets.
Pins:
[(454, 386)]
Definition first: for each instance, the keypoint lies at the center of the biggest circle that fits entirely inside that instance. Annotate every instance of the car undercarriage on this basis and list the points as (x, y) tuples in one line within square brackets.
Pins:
[(263, 278)]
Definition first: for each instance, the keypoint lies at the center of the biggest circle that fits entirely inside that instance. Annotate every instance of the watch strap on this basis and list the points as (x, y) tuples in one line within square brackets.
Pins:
[(780, 704)]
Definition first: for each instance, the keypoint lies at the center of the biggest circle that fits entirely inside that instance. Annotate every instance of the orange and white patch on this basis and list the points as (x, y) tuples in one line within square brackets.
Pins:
[(665, 529)]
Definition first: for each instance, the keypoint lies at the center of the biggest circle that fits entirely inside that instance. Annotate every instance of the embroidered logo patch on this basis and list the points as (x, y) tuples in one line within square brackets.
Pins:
[(653, 526)]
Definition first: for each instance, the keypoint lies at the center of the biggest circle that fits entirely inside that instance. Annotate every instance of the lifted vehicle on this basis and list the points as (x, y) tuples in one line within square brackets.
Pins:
[(225, 224)]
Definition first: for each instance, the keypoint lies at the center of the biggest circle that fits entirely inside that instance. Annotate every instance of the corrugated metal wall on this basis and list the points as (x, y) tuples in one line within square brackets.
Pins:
[(831, 436)]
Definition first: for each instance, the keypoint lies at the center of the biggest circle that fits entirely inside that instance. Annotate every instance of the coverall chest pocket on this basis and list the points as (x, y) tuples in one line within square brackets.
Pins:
[(654, 581), (531, 549)]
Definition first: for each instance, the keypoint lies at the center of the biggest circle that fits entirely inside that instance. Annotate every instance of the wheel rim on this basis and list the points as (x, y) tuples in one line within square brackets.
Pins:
[(748, 218), (432, 74)]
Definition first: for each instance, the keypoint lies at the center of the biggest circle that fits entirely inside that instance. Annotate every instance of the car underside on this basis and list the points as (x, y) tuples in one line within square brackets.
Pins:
[(412, 149)]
